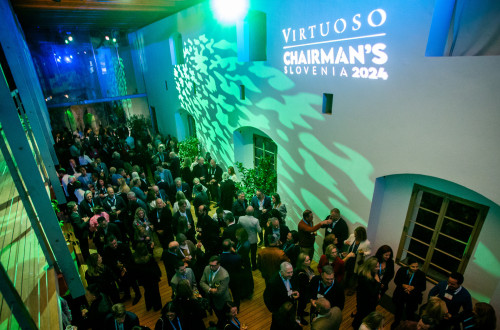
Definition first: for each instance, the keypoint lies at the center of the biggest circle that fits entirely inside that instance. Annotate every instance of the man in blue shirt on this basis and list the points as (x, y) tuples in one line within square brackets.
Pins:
[(453, 294)]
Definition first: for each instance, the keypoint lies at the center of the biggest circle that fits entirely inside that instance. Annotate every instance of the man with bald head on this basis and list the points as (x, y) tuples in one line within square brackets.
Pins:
[(171, 258), (161, 217), (282, 287), (252, 226), (328, 318)]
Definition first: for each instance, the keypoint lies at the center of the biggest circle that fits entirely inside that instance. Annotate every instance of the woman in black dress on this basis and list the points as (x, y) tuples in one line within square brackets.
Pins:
[(148, 275), (243, 249), (304, 273), (368, 290), (386, 267), (189, 305), (102, 276)]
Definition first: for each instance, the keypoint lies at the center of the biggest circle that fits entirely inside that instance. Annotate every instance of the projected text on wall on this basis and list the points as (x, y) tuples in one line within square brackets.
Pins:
[(344, 47)]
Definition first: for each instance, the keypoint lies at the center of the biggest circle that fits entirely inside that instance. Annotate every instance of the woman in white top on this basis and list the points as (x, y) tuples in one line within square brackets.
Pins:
[(358, 249), (232, 174), (276, 200)]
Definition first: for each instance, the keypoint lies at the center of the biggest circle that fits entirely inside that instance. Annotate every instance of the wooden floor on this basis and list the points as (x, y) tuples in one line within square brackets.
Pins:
[(253, 312)]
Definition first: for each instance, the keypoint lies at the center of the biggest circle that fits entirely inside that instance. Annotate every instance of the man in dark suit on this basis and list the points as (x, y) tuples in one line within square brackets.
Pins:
[(325, 286), (338, 227), (162, 219), (171, 257), (262, 206), (179, 186), (278, 231), (86, 207), (240, 206), (232, 227), (144, 181), (116, 208), (200, 171), (227, 192), (231, 262), (114, 205), (80, 228), (119, 258), (214, 177), (165, 175), (183, 212), (215, 284), (160, 193), (175, 165), (282, 287), (119, 318), (208, 231), (105, 230)]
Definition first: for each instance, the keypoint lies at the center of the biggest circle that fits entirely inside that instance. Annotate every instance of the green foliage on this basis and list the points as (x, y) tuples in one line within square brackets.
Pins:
[(189, 148), (139, 126), (263, 176)]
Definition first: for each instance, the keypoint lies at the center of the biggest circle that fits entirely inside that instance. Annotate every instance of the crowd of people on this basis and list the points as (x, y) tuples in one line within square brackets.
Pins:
[(127, 197)]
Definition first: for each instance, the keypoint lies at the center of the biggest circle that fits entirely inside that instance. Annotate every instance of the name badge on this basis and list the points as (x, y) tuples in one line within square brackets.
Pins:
[(329, 230), (261, 207), (448, 296), (289, 292), (113, 208)]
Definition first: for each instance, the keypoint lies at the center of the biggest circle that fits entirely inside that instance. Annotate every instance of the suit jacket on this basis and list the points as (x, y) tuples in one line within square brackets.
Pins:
[(162, 220), (340, 230), (269, 260), (214, 174), (176, 279), (283, 234), (219, 281), (85, 208), (419, 282), (184, 188), (118, 204), (255, 204), (139, 193), (175, 167), (227, 193), (80, 227), (230, 232), (232, 263), (111, 230), (170, 259), (144, 185), (239, 209), (276, 293), (167, 177), (200, 171), (331, 321), (191, 232), (252, 226), (131, 320), (335, 295)]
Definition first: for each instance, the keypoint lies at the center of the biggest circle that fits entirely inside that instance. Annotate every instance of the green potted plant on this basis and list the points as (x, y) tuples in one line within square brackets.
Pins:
[(189, 148), (263, 176)]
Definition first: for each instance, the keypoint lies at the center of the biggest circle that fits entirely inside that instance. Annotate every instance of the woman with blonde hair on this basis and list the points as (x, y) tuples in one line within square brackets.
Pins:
[(368, 290), (304, 273)]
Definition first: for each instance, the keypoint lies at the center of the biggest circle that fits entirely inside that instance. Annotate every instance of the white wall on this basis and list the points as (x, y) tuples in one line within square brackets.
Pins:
[(388, 213), (433, 116)]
